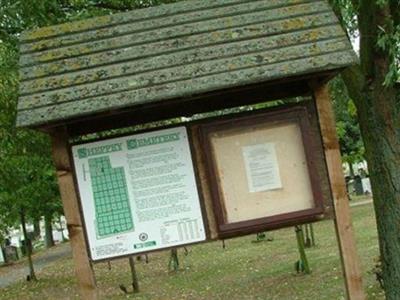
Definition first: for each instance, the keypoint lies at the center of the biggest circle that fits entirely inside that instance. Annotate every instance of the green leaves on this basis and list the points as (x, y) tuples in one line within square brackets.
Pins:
[(351, 144), (389, 42), (25, 161), (346, 11)]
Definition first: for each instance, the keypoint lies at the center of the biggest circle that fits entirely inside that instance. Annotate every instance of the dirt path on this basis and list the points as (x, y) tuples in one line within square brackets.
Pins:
[(361, 203), (13, 273)]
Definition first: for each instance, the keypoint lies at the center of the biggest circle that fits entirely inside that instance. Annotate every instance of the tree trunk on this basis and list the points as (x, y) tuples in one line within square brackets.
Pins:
[(36, 228), (380, 129), (49, 241), (378, 109), (351, 169), (28, 247)]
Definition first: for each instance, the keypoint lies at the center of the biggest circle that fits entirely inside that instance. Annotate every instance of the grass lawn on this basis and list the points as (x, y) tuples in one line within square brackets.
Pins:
[(244, 270)]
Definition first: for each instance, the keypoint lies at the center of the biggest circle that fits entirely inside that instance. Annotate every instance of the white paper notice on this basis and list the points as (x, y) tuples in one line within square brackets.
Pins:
[(262, 167)]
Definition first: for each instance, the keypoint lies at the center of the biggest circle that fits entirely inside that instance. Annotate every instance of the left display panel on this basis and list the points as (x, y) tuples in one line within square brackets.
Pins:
[(138, 193)]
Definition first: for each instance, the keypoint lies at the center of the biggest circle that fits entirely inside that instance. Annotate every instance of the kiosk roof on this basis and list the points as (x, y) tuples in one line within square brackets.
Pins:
[(174, 51)]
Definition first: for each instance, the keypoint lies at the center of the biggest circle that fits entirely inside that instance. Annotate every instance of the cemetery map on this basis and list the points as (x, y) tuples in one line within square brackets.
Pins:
[(110, 193)]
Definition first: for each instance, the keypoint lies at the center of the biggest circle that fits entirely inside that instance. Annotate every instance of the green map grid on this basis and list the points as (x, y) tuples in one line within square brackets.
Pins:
[(110, 194)]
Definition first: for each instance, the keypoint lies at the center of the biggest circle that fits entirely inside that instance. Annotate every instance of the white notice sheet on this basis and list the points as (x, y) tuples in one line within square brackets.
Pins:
[(262, 167)]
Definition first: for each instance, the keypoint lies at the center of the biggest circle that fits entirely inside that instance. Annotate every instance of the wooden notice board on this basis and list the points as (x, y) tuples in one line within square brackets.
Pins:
[(263, 170)]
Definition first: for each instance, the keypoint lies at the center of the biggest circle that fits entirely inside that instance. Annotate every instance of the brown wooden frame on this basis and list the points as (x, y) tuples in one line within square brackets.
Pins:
[(294, 114)]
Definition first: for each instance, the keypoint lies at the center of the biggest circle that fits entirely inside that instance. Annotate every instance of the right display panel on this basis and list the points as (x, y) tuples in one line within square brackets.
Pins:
[(263, 170)]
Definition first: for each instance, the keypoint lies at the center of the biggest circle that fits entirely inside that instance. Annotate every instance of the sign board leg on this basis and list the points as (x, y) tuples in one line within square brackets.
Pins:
[(343, 224), (135, 281), (303, 257), (83, 267)]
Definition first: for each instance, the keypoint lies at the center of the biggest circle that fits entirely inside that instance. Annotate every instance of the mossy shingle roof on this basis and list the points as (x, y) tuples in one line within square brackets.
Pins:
[(172, 51)]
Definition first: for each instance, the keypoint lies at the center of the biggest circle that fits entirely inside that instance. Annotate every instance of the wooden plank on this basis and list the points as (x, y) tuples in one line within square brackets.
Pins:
[(204, 182), (320, 165), (251, 13), (83, 268), (131, 16), (343, 224), (157, 47), (188, 107), (182, 72), (162, 61), (148, 19), (195, 42), (185, 88), (153, 24)]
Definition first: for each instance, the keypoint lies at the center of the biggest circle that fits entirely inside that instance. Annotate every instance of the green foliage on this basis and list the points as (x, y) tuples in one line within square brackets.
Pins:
[(27, 180), (347, 10), (351, 144), (18, 15), (390, 43), (388, 33)]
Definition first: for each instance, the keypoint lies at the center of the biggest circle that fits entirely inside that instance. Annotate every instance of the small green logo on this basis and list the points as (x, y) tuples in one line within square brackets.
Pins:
[(145, 245), (150, 244), (132, 144), (82, 153)]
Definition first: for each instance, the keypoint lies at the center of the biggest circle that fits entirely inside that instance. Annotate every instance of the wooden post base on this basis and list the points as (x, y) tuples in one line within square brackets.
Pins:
[(83, 267), (344, 229)]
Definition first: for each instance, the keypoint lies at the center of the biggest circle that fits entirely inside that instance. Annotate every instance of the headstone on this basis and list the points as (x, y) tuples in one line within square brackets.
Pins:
[(366, 184), (2, 259), (358, 186), (11, 253), (16, 241)]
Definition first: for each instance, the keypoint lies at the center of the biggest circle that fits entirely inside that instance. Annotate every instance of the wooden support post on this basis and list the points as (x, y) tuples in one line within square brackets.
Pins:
[(83, 267), (300, 244), (312, 235), (343, 225), (307, 239), (173, 264)]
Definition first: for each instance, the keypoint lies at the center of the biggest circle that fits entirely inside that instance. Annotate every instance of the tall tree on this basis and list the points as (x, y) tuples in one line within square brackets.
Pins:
[(374, 87), (26, 174)]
